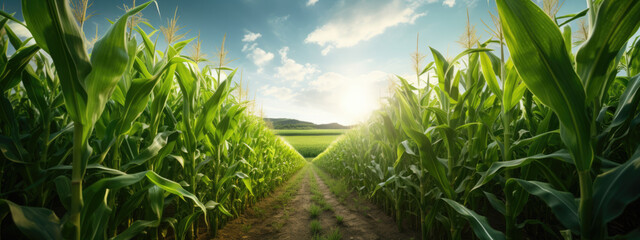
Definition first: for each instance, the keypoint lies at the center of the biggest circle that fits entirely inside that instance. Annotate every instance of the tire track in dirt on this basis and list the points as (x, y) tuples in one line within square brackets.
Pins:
[(269, 219), (372, 225), (272, 217), (297, 224)]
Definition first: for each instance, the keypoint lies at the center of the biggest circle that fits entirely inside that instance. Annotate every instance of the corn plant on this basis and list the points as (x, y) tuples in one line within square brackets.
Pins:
[(109, 142), (545, 122)]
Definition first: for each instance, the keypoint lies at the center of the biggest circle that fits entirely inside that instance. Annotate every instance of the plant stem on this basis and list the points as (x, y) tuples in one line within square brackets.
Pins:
[(76, 178), (586, 205)]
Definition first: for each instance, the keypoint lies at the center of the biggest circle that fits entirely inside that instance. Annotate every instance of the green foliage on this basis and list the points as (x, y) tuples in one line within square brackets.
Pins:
[(309, 132), (545, 122), (316, 227), (314, 211), (310, 145), (144, 159)]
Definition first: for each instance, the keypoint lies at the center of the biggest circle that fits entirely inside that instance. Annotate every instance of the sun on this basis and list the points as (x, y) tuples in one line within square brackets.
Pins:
[(357, 104)]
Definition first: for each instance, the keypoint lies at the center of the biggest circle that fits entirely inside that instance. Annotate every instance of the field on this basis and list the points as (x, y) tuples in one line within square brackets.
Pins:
[(530, 133), (310, 143), (309, 132)]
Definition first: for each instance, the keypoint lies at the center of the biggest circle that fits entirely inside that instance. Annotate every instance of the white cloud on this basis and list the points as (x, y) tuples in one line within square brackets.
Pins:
[(260, 57), (311, 2), (19, 30), (278, 20), (293, 71), (281, 93), (449, 3), (328, 81), (363, 22), (249, 47), (257, 55), (326, 50), (251, 36), (347, 99)]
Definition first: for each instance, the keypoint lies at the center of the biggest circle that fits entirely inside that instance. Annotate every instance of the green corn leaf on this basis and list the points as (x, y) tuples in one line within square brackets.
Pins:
[(10, 16), (444, 77), (634, 59), (625, 111), (572, 17), (615, 189), (182, 229), (174, 188), (490, 75), (568, 39), (63, 41), (136, 228), (94, 193), (97, 221), (34, 222), (496, 203), (36, 92), (109, 60), (187, 81), (13, 38), (212, 105), (427, 155), (136, 101), (496, 167), (150, 47), (479, 223), (562, 204), (615, 23), (464, 53), (160, 142), (538, 52), (512, 90), (246, 180), (13, 71), (63, 188)]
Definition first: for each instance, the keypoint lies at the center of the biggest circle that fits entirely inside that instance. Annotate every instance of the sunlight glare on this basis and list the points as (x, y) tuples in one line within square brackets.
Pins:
[(358, 103)]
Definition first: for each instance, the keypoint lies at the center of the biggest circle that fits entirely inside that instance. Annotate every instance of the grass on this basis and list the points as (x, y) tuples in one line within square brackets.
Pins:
[(316, 227), (333, 235), (340, 219), (277, 226), (309, 132), (310, 145), (246, 228), (315, 211), (338, 189)]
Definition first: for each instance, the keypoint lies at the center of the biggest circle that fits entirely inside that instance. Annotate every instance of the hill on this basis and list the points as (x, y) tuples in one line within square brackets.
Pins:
[(287, 123)]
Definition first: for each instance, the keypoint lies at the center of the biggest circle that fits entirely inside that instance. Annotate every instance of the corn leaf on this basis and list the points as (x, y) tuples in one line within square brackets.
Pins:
[(562, 204), (496, 167), (538, 52), (34, 222), (479, 224), (62, 39), (490, 75), (615, 23), (615, 189), (109, 60)]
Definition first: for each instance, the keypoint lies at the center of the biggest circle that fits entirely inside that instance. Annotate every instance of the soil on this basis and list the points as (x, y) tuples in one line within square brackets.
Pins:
[(268, 219)]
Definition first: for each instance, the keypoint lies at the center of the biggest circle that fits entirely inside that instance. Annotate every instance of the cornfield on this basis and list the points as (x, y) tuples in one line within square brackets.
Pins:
[(529, 140), (127, 142), (525, 135)]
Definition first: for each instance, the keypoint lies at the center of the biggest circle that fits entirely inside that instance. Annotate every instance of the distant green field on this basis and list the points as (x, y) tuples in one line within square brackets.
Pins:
[(309, 132), (310, 143)]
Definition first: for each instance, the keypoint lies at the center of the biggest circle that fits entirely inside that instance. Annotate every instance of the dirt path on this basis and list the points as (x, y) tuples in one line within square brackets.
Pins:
[(288, 215), (363, 220)]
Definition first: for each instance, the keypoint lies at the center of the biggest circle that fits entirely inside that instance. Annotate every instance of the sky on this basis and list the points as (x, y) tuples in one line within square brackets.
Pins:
[(321, 61)]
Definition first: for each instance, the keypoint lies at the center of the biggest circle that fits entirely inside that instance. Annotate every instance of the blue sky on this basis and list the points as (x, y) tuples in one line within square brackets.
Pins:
[(315, 60)]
